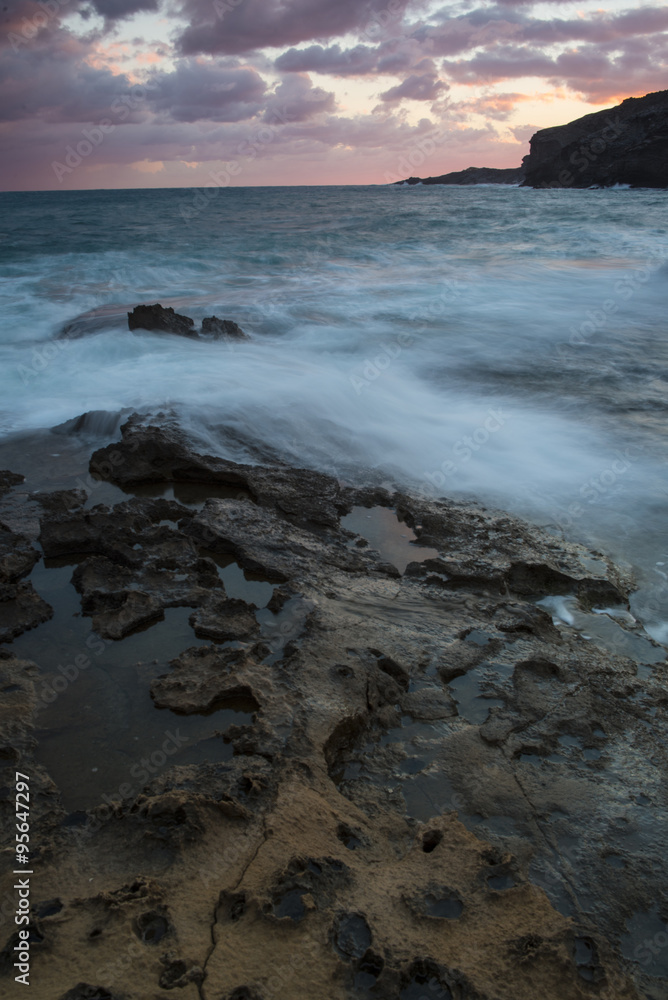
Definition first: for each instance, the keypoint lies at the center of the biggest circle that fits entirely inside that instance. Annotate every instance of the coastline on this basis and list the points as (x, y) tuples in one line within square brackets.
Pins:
[(416, 772)]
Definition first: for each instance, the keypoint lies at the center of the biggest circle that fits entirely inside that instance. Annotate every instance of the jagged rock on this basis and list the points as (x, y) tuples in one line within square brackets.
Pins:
[(151, 453), (222, 329), (627, 144), (158, 318), (403, 734)]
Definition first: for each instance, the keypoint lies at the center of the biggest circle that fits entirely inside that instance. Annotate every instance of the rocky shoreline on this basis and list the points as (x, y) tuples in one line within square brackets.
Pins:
[(626, 145), (438, 788)]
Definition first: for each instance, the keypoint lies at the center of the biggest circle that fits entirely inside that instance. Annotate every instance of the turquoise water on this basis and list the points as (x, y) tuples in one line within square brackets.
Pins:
[(498, 342)]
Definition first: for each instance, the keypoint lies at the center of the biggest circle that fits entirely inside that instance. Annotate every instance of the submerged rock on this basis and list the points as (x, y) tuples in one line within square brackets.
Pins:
[(156, 317), (165, 320), (222, 329)]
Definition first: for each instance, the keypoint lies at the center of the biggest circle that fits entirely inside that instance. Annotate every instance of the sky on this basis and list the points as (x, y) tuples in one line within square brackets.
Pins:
[(196, 93)]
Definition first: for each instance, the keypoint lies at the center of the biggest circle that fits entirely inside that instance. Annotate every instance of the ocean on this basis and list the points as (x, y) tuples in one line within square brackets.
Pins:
[(506, 344)]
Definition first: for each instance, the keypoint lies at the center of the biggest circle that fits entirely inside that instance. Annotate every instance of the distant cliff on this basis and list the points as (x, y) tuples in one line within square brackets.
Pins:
[(623, 145), (473, 175)]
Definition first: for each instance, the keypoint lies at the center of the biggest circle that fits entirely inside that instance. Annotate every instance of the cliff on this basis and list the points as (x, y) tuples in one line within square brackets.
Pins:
[(623, 145), (473, 175), (627, 144)]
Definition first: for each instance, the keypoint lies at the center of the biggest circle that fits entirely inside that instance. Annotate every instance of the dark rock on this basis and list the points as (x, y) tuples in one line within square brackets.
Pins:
[(98, 423), (627, 144), (17, 557), (222, 329), (164, 320), (473, 175), (151, 453), (352, 937), (135, 610), (222, 620), (82, 991), (21, 608), (23, 611), (8, 480)]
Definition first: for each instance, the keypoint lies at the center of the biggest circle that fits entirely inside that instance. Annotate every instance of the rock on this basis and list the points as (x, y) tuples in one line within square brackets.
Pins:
[(205, 678), (17, 557), (627, 144), (473, 175), (164, 320), (222, 329), (21, 608), (8, 480), (161, 452), (427, 784), (223, 619), (134, 610)]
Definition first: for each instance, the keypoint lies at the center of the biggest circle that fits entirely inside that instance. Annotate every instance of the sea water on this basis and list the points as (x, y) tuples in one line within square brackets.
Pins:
[(507, 344)]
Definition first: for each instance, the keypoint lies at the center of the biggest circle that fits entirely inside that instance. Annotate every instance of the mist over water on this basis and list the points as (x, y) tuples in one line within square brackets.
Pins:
[(507, 344)]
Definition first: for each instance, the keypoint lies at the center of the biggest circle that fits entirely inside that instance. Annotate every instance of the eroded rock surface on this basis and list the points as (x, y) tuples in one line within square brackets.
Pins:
[(20, 607), (165, 320), (433, 779)]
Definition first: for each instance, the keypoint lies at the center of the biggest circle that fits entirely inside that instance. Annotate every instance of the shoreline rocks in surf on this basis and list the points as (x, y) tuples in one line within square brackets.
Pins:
[(422, 751)]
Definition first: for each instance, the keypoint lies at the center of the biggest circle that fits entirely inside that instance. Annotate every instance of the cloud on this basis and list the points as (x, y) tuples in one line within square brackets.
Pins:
[(202, 90), (297, 100), (232, 27), (425, 87), (334, 60), (116, 10)]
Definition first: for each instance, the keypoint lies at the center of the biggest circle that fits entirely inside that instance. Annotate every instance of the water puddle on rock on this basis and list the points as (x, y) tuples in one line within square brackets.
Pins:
[(99, 734), (389, 536), (241, 584), (188, 494), (602, 626)]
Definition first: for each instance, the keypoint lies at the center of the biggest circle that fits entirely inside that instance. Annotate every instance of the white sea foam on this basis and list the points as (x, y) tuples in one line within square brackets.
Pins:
[(387, 332)]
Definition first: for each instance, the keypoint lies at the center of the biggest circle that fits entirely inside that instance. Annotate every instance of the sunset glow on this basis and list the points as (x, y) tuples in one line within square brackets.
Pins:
[(127, 93)]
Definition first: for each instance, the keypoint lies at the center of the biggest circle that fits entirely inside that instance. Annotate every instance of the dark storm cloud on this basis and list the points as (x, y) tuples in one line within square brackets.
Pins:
[(115, 10), (210, 91), (231, 27), (357, 61)]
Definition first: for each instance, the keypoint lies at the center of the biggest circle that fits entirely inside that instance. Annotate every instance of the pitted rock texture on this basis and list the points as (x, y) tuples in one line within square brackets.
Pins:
[(433, 778)]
